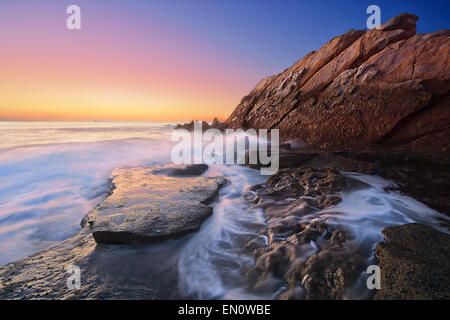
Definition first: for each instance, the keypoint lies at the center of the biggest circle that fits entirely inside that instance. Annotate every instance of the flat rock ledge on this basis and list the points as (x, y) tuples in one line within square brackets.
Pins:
[(414, 263), (165, 206), (144, 207)]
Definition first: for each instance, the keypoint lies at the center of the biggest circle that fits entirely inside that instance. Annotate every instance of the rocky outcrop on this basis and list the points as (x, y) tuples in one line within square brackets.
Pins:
[(215, 124), (314, 259), (385, 86), (424, 177), (414, 263), (146, 207), (317, 187)]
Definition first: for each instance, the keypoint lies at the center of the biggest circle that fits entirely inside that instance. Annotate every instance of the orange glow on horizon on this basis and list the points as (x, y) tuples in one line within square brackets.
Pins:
[(112, 72), (61, 103)]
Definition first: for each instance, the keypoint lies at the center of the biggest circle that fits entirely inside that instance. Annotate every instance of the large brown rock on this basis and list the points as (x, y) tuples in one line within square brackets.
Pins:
[(262, 107), (387, 86)]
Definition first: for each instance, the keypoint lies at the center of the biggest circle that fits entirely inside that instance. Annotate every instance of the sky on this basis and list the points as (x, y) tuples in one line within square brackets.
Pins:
[(136, 60)]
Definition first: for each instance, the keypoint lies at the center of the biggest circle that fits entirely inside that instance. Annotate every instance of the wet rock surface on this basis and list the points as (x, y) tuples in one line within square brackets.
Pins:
[(144, 207), (191, 170), (414, 263), (141, 207), (315, 187), (181, 171), (425, 177), (314, 260), (317, 260), (107, 272)]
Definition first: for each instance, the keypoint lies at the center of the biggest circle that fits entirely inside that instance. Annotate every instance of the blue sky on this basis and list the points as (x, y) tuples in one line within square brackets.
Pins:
[(276, 33)]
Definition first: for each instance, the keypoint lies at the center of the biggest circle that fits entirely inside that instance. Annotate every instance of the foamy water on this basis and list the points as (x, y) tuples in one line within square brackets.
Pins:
[(52, 174), (212, 266), (367, 208), (17, 134)]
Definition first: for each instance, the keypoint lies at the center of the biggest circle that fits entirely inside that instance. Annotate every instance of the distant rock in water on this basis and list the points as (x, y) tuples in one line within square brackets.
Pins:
[(386, 86), (190, 125), (144, 207), (216, 124)]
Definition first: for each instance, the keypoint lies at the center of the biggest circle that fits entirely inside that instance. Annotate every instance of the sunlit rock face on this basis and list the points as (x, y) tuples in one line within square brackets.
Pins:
[(387, 86), (145, 207)]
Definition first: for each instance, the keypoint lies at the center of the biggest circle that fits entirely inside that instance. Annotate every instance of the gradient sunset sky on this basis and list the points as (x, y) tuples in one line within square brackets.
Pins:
[(165, 60)]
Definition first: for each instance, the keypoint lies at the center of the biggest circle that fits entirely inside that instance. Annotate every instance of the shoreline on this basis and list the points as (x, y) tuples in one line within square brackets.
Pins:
[(83, 245)]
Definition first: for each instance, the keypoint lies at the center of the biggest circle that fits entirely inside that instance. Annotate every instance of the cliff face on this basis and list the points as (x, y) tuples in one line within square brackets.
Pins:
[(384, 86)]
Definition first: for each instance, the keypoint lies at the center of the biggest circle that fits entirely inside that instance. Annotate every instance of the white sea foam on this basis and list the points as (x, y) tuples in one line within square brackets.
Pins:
[(212, 264)]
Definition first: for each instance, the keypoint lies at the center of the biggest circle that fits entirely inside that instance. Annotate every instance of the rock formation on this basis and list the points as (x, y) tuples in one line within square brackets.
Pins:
[(145, 207), (215, 124), (314, 259), (386, 86)]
